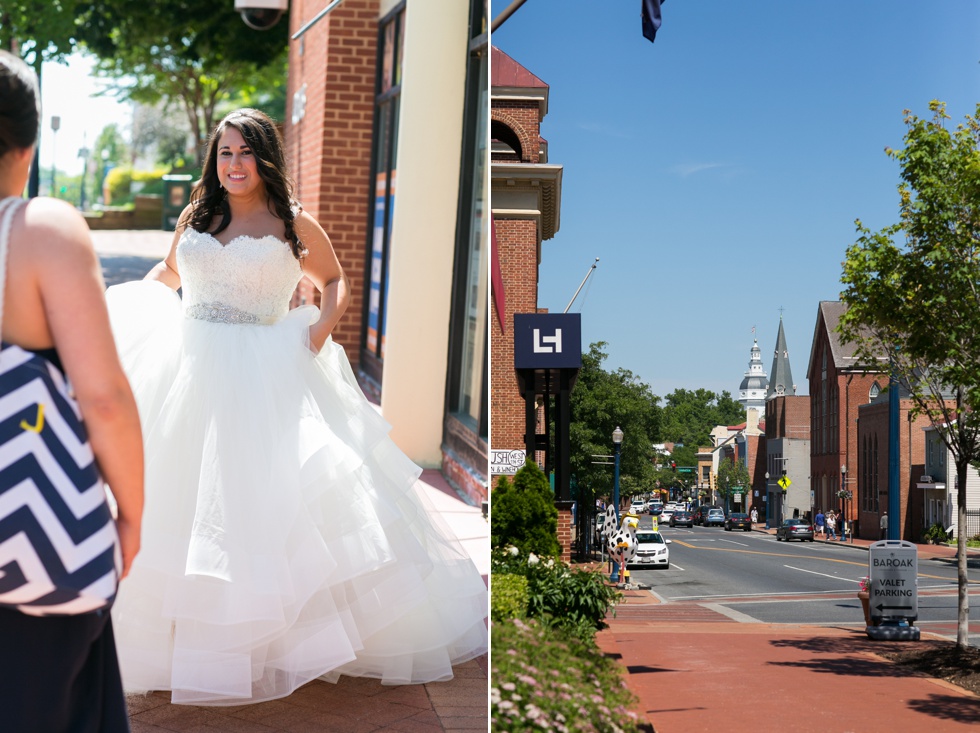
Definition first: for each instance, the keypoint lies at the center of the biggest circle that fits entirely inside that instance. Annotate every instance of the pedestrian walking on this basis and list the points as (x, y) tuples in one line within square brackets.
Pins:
[(755, 515), (883, 523), (831, 521), (820, 521)]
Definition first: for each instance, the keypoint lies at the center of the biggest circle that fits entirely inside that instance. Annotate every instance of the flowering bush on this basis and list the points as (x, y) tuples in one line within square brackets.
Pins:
[(865, 584), (556, 594), (546, 679)]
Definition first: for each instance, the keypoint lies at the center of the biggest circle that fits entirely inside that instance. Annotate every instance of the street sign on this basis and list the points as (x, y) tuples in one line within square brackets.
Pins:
[(784, 483), (893, 568)]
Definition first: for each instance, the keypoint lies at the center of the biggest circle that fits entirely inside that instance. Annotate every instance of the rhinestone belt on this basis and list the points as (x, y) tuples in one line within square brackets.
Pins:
[(221, 313)]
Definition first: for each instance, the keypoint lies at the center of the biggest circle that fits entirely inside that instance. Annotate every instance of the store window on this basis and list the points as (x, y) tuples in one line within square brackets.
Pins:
[(383, 176), (467, 384)]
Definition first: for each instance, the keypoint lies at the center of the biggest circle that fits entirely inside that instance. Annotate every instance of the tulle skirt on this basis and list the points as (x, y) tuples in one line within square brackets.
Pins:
[(282, 537)]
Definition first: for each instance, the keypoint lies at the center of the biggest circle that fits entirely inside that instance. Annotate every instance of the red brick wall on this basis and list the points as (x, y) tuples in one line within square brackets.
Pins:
[(329, 150), (788, 417), (517, 241), (874, 422), (523, 118), (565, 530)]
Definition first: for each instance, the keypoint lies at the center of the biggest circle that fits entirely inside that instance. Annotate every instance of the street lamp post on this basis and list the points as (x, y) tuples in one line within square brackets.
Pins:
[(617, 437), (83, 153), (55, 126), (843, 499)]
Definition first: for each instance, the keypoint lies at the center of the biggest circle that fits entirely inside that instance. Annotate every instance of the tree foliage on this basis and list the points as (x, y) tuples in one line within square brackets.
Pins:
[(38, 30), (600, 402), (523, 513), (916, 303), (690, 415), (193, 52), (733, 477)]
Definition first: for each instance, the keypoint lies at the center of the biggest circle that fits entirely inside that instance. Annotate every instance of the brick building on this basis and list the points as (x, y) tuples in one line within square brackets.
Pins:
[(386, 138), (871, 498), (839, 385), (526, 196), (787, 454)]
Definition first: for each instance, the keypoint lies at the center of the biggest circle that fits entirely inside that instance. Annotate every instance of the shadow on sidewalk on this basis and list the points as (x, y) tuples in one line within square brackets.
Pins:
[(949, 707), (850, 666)]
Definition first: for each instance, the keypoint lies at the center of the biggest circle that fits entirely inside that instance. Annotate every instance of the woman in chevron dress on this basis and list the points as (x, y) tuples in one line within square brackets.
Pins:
[(283, 538), (58, 673)]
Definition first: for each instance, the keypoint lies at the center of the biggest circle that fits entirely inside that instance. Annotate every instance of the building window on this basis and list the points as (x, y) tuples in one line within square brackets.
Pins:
[(874, 474), (383, 175), (467, 387), (875, 391)]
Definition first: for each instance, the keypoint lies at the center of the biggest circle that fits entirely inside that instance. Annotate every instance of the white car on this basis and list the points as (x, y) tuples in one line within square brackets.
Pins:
[(638, 506), (651, 549), (666, 514)]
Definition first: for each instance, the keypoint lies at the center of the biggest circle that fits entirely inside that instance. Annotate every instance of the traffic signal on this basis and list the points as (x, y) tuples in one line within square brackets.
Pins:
[(673, 466)]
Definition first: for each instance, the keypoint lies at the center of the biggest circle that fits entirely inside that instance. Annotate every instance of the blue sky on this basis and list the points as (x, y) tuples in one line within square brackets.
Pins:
[(717, 172)]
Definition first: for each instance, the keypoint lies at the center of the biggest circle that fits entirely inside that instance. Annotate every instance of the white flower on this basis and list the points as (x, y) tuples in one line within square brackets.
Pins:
[(550, 563), (514, 552), (532, 559)]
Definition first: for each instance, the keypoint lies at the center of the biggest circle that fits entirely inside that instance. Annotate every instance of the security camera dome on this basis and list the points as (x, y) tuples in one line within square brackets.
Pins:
[(261, 19)]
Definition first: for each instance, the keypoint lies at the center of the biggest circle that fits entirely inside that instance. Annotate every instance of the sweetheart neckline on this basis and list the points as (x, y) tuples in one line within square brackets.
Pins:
[(231, 241)]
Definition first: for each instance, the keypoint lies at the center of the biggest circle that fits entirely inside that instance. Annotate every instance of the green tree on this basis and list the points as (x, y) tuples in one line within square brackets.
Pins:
[(38, 31), (523, 513), (188, 51), (690, 415), (600, 402), (733, 477), (916, 304)]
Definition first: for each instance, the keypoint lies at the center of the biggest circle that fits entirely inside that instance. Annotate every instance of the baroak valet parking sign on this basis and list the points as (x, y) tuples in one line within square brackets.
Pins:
[(893, 569)]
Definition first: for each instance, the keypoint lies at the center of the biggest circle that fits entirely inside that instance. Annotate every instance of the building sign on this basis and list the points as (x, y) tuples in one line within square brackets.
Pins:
[(505, 462), (547, 340), (893, 568)]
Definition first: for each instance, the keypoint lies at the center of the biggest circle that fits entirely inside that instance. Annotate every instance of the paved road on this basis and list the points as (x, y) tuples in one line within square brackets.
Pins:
[(751, 578)]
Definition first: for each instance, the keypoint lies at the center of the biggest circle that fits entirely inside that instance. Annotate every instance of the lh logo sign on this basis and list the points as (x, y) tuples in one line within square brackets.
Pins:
[(547, 340), (547, 344)]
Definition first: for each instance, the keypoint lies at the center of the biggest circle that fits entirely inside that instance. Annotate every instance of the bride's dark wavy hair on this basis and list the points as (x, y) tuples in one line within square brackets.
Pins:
[(262, 136)]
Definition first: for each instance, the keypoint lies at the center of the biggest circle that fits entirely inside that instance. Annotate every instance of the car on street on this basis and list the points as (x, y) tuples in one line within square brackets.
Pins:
[(655, 507), (638, 506), (651, 549), (600, 520), (794, 529), (738, 520), (715, 516), (682, 519), (701, 512)]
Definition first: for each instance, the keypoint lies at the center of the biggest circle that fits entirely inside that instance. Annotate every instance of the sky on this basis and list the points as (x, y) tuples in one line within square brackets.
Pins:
[(70, 91), (717, 172)]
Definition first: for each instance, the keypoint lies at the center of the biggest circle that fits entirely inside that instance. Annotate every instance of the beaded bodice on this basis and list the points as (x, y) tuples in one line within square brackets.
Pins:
[(248, 280)]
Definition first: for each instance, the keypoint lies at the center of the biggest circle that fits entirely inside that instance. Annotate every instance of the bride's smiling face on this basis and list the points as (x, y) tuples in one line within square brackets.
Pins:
[(236, 164)]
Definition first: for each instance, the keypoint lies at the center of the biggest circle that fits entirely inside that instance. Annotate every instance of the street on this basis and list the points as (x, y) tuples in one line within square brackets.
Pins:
[(751, 578)]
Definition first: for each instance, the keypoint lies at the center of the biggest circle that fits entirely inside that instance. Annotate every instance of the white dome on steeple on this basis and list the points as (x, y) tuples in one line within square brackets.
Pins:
[(755, 383)]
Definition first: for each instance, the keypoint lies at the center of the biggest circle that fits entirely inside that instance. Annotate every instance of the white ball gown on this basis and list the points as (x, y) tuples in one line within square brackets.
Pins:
[(282, 537)]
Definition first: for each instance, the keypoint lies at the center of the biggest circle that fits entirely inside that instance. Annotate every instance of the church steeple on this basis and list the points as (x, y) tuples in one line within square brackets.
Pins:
[(752, 390), (781, 382)]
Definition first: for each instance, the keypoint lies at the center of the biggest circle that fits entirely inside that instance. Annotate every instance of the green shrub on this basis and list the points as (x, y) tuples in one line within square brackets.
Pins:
[(508, 596), (523, 513), (545, 679), (557, 595), (936, 533)]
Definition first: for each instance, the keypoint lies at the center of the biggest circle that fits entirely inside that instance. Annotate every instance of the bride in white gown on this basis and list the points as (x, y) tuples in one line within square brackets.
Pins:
[(282, 537)]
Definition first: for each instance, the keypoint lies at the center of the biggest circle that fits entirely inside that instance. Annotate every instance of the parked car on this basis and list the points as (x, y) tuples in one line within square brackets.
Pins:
[(713, 517), (600, 520), (682, 519), (638, 506), (738, 520), (651, 549), (794, 529)]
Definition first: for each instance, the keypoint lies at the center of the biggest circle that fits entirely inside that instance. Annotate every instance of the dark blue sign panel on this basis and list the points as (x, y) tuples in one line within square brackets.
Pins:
[(547, 340)]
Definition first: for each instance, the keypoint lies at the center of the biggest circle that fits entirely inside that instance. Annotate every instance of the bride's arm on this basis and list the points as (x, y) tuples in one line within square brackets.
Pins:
[(323, 268), (165, 271)]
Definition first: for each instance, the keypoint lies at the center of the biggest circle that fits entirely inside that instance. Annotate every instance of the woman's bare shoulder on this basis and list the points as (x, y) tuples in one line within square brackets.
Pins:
[(55, 226)]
